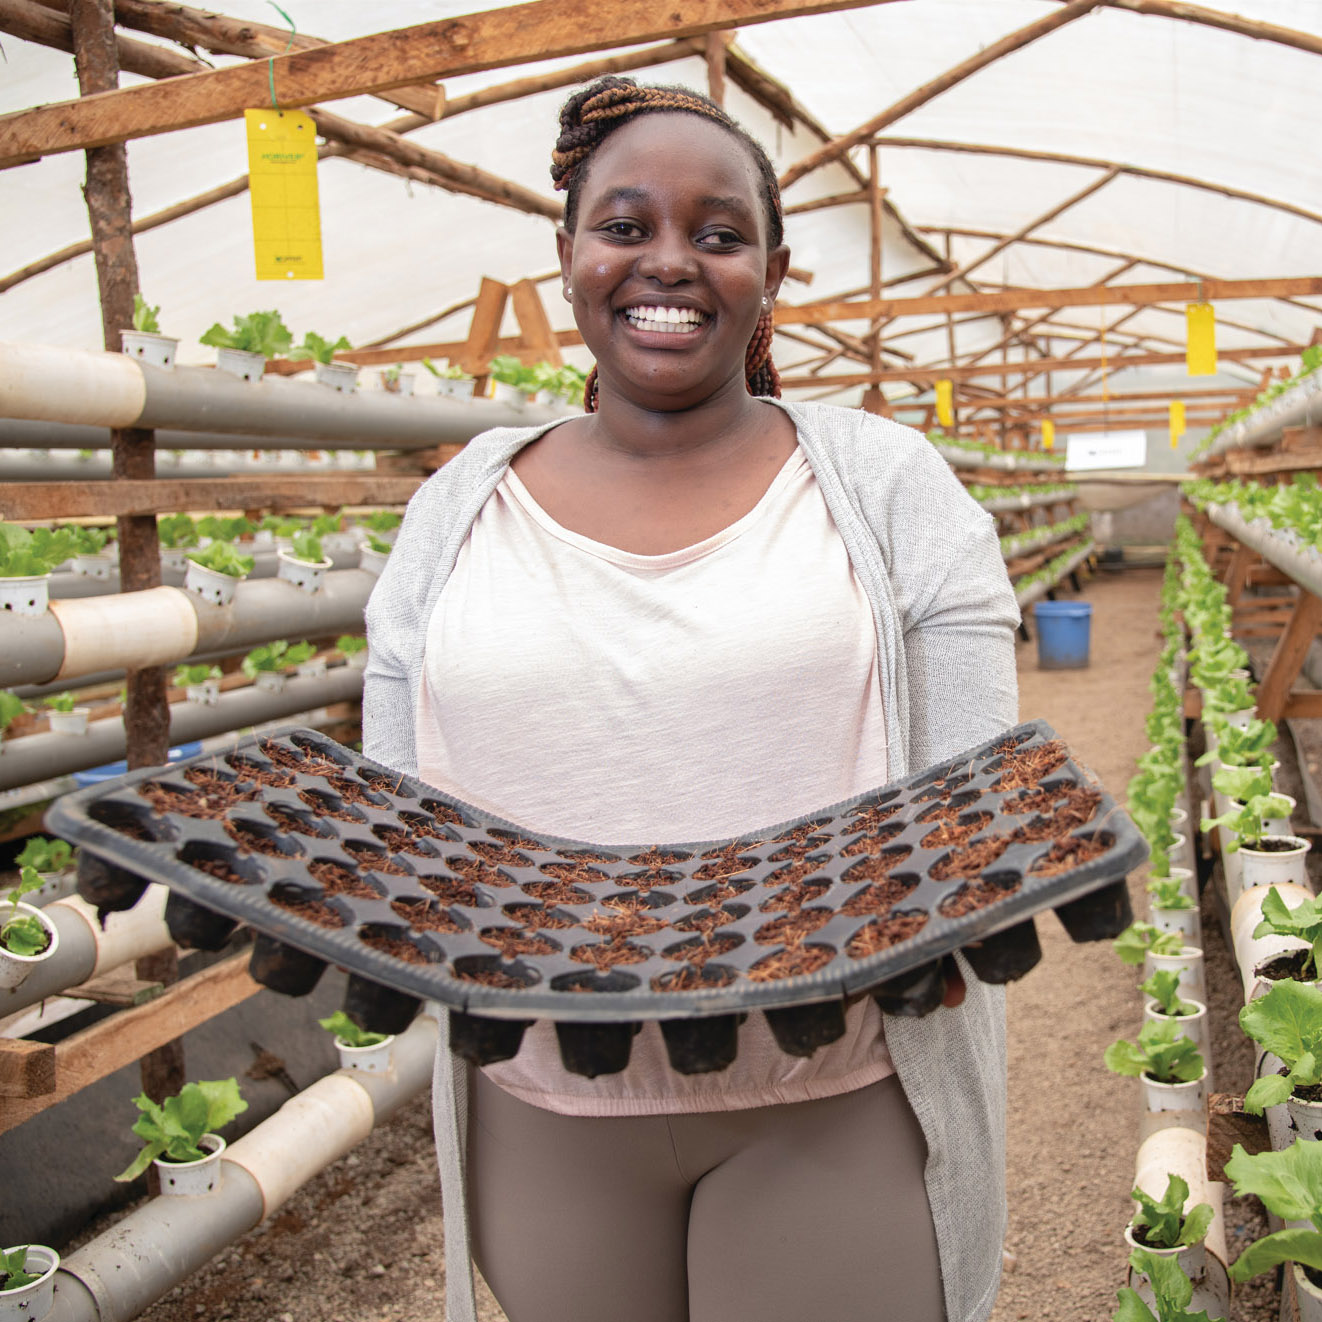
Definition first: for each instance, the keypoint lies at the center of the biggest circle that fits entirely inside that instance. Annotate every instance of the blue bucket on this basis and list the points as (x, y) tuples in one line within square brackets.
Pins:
[(96, 775), (1063, 633)]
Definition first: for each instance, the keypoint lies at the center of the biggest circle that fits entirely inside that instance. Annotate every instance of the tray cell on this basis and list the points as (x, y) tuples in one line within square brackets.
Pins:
[(1005, 956), (225, 862), (883, 933), (481, 1040), (800, 1029), (701, 1046), (593, 1049), (135, 820), (283, 968)]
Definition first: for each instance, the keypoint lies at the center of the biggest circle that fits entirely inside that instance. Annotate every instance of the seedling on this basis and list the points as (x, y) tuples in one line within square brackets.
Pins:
[(1172, 1292), (184, 676), (319, 349), (11, 708), (325, 524), (1250, 746), (1162, 1054), (448, 373), (298, 653), (176, 531), (89, 541), (1163, 1224), (1164, 988), (1249, 821), (24, 934), (376, 544), (349, 1033), (1290, 1186), (1287, 1021), (307, 548), (32, 554), (348, 644), (173, 1129), (145, 316), (270, 658), (13, 1269), (222, 558), (1140, 939), (381, 520), (1166, 894), (229, 529), (259, 332), (1303, 921), (61, 702), (43, 854), (1242, 783)]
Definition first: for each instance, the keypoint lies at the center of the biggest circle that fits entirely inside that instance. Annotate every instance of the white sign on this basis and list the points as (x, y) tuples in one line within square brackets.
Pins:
[(1105, 449)]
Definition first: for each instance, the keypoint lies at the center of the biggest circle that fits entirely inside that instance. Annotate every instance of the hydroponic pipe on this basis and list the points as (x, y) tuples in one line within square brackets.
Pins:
[(1251, 951), (1299, 405), (26, 434), (44, 383), (1302, 565), (164, 626), (86, 949), (124, 1271), (217, 463), (40, 756)]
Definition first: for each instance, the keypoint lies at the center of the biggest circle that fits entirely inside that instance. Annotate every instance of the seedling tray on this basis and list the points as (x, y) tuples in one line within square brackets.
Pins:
[(332, 857)]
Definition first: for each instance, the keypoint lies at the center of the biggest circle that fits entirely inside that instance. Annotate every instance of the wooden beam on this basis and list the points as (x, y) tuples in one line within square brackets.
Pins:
[(715, 56), (484, 330), (470, 43), (1012, 300), (27, 1069), (534, 324), (32, 21), (1014, 41), (30, 501), (1138, 172), (929, 374), (1216, 18), (126, 1037)]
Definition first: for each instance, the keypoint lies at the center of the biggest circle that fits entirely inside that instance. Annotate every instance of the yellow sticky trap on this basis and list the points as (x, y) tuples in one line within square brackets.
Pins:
[(1200, 353), (945, 403), (1048, 434), (286, 214), (1177, 425)]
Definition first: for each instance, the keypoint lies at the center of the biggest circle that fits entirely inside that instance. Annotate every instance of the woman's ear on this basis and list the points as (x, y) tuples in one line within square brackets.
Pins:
[(778, 263), (564, 246)]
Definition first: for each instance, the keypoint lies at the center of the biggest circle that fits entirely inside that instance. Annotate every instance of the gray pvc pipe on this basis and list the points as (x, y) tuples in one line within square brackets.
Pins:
[(26, 434), (1302, 564), (262, 610), (42, 756), (43, 468), (71, 964), (1301, 404)]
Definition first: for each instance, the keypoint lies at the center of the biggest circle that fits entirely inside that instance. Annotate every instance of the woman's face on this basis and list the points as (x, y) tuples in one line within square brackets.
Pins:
[(668, 260)]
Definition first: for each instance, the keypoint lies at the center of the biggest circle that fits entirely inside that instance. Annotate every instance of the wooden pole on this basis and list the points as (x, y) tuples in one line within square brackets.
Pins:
[(874, 400), (715, 53), (146, 712)]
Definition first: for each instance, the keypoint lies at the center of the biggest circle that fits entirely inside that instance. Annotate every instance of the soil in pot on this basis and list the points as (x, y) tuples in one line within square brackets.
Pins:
[(722, 894), (382, 784), (297, 823), (622, 924), (656, 857), (487, 971), (650, 880), (874, 843), (729, 865), (942, 788), (500, 855), (1274, 845), (377, 860), (330, 805), (307, 764), (698, 950), (246, 769), (610, 954), (793, 928), (510, 942), (879, 898), (213, 798), (707, 921), (441, 812), (336, 879), (953, 835), (800, 848), (1292, 966), (450, 891), (804, 832), (313, 911), (1072, 853), (396, 946), (218, 868), (257, 838), (977, 895), (556, 892), (693, 977), (791, 963), (574, 874), (350, 791), (876, 867), (1026, 768), (416, 824), (399, 841), (972, 860), (794, 897), (882, 933), (512, 838), (471, 869), (426, 916), (587, 856), (537, 918), (868, 819)]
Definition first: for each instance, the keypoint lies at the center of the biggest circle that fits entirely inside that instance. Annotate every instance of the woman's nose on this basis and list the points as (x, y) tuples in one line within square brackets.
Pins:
[(668, 257)]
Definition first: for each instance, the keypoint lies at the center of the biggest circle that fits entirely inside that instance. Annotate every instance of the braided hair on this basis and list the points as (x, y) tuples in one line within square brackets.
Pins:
[(591, 115)]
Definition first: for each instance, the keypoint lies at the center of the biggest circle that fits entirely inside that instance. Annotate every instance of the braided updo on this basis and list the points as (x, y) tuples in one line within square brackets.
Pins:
[(589, 117)]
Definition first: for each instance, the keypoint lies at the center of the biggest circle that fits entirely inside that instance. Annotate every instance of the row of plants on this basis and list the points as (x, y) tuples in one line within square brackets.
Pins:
[(1053, 571), (1016, 543), (947, 441), (1310, 361), (1025, 494), (1293, 508)]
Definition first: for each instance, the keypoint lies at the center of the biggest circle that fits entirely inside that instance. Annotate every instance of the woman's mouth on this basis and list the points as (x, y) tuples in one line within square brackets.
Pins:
[(675, 321)]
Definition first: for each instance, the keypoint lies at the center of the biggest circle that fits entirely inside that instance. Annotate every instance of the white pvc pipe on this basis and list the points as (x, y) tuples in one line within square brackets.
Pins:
[(45, 383), (1301, 403), (1250, 951), (1302, 564), (154, 627)]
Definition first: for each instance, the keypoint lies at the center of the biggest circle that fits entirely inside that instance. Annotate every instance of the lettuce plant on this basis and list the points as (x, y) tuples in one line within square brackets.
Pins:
[(61, 702), (33, 553), (1163, 1224), (379, 521), (1249, 820), (307, 548), (298, 653), (1287, 1021), (44, 854), (318, 349), (223, 559), (1250, 746), (270, 657), (1140, 939), (1166, 894), (89, 541), (24, 934), (1164, 988), (1289, 1183), (348, 644), (1242, 783), (193, 675), (13, 1269), (259, 332), (1303, 921), (1162, 1054), (176, 531), (11, 708), (145, 316), (172, 1130), (374, 543), (1172, 1292), (349, 1033)]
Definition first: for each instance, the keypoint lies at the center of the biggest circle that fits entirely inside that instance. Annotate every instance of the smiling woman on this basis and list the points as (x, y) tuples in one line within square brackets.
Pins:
[(686, 615)]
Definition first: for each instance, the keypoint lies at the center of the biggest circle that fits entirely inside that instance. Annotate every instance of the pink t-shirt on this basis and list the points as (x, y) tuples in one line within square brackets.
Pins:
[(589, 692)]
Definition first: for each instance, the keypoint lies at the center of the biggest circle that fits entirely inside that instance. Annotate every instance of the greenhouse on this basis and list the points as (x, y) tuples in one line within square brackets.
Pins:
[(660, 661)]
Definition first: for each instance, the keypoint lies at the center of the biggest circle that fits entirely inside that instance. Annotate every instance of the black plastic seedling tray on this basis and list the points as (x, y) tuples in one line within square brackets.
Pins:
[(331, 857)]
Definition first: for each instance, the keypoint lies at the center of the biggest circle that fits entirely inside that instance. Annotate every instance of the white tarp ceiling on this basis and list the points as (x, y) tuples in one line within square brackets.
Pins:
[(1146, 91)]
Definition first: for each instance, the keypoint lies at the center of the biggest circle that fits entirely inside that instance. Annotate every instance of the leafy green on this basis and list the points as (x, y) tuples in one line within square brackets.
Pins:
[(173, 1129), (176, 530), (24, 934), (1163, 1221), (259, 332), (1249, 820), (1166, 894), (381, 520), (11, 708), (298, 653), (145, 316), (1171, 1289), (1242, 783), (225, 528), (319, 349), (1140, 939), (194, 675), (270, 657), (376, 544), (348, 644), (223, 559), (88, 541), (1162, 1053), (1303, 921), (32, 553), (13, 1269), (1250, 746), (307, 548), (348, 1032), (1290, 1186), (62, 702), (1287, 1021), (44, 854), (1164, 988), (325, 524)]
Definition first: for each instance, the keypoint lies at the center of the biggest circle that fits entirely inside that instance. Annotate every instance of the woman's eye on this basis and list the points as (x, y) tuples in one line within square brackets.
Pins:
[(621, 229), (721, 239)]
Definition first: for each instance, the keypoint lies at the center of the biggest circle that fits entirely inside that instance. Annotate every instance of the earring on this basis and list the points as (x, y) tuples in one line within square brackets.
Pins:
[(569, 292), (766, 302)]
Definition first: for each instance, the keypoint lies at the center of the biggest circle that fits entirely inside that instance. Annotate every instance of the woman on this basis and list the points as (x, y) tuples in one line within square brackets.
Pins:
[(686, 615)]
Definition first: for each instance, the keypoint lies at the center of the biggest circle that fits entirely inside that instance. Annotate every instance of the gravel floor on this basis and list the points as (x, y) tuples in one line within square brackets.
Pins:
[(363, 1242)]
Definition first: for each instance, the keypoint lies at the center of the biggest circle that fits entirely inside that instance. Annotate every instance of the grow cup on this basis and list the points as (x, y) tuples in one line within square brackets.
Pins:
[(96, 566), (239, 362), (1184, 921), (1189, 1096), (15, 968), (1188, 882), (148, 347), (377, 1059), (31, 1302), (269, 681), (1188, 964), (1294, 1119), (357, 660), (504, 393), (1271, 868), (25, 596), (339, 376), (69, 722), (313, 669), (455, 387), (401, 385), (207, 692), (209, 584), (1308, 1294), (1191, 1257), (303, 574), (174, 557), (1193, 1026), (190, 1178), (1211, 1286), (372, 561)]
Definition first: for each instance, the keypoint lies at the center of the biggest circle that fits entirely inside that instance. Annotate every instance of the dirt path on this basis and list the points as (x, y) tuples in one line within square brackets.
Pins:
[(363, 1242)]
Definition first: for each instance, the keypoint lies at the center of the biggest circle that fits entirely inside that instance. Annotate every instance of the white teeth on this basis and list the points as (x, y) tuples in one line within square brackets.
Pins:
[(664, 318)]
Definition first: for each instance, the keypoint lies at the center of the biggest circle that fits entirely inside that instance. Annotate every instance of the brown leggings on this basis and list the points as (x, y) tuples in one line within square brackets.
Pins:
[(796, 1213)]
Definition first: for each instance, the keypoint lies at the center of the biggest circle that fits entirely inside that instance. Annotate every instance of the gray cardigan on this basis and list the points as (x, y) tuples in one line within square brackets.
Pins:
[(927, 557)]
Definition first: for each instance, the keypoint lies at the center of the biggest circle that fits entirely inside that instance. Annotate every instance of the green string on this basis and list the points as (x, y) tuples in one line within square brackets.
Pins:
[(270, 64)]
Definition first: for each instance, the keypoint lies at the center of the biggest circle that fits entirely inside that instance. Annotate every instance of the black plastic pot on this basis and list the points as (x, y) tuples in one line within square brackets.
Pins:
[(196, 928), (800, 1029), (592, 1049), (376, 1008), (702, 1046), (914, 993), (282, 968), (1099, 915), (484, 1041), (110, 887), (1005, 956)]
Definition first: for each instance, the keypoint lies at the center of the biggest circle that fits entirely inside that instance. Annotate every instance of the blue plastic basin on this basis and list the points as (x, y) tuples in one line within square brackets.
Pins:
[(1064, 631), (96, 775)]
